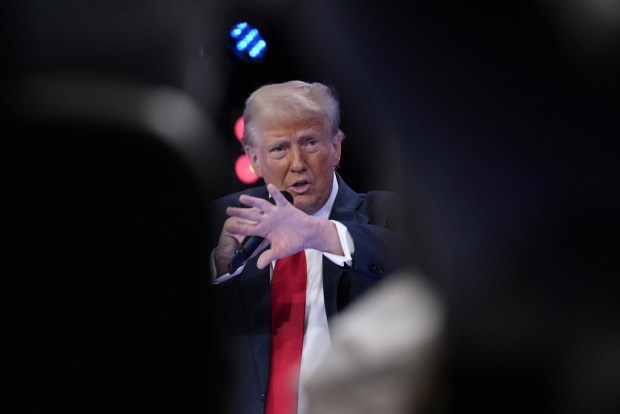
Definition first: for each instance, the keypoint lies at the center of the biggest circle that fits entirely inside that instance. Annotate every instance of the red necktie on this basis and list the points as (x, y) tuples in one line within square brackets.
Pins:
[(288, 309)]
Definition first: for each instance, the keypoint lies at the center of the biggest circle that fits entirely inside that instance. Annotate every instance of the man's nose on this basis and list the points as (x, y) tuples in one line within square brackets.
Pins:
[(297, 158)]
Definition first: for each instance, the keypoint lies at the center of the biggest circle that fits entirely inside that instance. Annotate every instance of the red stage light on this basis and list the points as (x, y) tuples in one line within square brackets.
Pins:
[(244, 170), (239, 128)]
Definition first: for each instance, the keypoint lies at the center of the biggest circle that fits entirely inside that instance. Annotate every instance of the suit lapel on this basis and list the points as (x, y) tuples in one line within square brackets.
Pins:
[(346, 204), (255, 293), (344, 209)]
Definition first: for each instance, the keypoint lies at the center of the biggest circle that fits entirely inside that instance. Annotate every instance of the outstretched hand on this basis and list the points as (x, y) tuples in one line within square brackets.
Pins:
[(285, 227)]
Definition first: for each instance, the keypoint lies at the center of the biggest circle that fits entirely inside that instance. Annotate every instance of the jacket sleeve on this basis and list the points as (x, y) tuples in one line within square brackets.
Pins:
[(380, 246)]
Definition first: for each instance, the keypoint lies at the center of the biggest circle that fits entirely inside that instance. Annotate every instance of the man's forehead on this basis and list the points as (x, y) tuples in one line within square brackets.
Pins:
[(293, 129)]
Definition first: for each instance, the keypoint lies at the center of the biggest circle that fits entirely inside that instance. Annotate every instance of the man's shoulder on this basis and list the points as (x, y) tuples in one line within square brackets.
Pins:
[(366, 200), (382, 206), (380, 197), (381, 194)]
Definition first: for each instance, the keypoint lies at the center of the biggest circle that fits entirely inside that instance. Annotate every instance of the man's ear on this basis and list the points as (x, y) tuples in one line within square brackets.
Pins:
[(253, 157), (337, 150)]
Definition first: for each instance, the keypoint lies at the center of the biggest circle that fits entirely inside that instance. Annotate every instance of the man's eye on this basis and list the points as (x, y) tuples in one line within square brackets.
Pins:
[(276, 149)]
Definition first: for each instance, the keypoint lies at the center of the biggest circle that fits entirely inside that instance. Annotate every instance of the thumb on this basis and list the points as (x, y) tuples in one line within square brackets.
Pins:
[(265, 259)]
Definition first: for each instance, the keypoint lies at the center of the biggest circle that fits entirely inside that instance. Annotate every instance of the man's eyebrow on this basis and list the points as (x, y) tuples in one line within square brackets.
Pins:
[(310, 133), (278, 142)]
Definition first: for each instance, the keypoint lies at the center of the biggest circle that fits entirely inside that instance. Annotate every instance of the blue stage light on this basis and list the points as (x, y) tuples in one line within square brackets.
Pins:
[(248, 44)]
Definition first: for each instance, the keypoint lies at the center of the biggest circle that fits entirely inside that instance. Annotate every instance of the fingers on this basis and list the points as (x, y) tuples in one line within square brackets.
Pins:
[(265, 259), (259, 205), (245, 228), (247, 214), (262, 218), (281, 198), (255, 202)]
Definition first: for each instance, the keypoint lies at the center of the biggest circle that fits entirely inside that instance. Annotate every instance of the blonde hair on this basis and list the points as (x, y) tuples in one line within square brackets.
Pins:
[(287, 103)]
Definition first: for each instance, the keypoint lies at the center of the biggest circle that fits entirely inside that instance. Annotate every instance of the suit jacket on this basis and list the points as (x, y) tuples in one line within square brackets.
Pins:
[(242, 303)]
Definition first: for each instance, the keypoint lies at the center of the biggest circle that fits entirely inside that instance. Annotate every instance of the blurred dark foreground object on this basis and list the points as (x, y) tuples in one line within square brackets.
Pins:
[(105, 301), (107, 161)]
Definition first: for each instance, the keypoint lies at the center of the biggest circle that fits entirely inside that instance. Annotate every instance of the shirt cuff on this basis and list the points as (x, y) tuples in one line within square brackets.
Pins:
[(217, 280), (348, 247)]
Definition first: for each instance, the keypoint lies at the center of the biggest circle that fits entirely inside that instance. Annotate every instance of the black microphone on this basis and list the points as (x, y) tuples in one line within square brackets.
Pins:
[(250, 243)]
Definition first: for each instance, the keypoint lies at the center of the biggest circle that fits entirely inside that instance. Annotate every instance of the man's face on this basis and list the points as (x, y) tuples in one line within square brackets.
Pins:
[(300, 159)]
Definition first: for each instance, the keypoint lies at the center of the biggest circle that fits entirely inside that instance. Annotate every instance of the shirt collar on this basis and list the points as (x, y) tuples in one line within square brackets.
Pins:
[(327, 207)]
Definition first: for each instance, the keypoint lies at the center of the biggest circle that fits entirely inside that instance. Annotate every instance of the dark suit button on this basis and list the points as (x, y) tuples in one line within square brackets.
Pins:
[(262, 397), (376, 269)]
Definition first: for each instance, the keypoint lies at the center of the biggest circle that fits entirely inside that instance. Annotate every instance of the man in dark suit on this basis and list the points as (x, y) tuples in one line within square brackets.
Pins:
[(351, 240)]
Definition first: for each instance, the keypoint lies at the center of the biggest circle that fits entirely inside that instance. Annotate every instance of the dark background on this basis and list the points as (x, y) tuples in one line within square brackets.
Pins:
[(498, 121)]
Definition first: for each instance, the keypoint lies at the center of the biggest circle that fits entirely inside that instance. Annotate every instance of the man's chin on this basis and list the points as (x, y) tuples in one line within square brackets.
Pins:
[(305, 204)]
